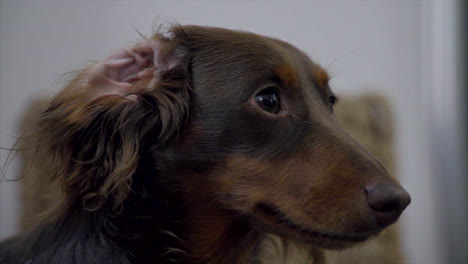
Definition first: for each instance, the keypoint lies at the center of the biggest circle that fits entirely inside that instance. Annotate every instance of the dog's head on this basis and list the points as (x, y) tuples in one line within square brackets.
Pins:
[(263, 122), (237, 120)]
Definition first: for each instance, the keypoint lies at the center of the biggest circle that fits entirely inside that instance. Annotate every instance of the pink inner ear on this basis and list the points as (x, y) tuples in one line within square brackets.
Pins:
[(117, 74)]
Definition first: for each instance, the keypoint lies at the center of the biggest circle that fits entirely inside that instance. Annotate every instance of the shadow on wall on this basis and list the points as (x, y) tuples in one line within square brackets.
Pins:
[(367, 118)]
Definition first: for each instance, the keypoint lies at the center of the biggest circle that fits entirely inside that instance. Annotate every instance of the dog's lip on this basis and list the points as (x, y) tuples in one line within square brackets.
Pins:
[(275, 215)]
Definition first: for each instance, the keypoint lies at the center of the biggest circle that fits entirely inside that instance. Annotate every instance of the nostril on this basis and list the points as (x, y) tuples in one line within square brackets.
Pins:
[(387, 201)]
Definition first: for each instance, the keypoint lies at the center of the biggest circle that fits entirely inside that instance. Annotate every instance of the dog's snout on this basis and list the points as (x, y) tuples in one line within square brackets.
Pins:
[(387, 202)]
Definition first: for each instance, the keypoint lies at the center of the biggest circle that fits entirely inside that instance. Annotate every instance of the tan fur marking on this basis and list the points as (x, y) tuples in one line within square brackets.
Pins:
[(286, 74), (320, 76)]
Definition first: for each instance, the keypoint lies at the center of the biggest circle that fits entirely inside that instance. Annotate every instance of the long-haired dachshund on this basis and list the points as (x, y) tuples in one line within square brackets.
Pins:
[(192, 147)]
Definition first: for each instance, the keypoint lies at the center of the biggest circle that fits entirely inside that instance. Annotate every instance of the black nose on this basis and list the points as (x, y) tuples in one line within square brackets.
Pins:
[(387, 201)]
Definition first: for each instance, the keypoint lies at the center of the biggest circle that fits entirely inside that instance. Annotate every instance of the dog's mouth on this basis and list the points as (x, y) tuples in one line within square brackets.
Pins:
[(279, 223)]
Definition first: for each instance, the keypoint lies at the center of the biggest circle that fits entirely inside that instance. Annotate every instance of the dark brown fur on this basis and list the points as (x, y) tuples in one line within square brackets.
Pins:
[(184, 166)]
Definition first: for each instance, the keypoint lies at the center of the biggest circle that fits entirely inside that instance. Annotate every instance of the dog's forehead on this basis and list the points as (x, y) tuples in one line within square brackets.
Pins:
[(228, 46), (302, 64), (234, 56)]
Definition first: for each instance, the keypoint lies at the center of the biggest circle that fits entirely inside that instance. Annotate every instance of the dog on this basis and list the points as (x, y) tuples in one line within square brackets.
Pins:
[(197, 145)]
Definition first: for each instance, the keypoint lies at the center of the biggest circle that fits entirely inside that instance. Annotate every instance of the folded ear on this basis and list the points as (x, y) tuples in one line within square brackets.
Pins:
[(93, 133)]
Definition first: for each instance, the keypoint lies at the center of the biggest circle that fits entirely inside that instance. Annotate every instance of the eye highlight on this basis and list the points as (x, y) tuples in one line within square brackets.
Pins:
[(269, 100)]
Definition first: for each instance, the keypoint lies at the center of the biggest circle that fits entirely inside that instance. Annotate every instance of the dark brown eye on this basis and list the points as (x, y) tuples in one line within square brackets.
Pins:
[(332, 100), (269, 100)]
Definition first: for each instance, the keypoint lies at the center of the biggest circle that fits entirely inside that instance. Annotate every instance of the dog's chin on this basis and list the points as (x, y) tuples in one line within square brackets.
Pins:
[(270, 219)]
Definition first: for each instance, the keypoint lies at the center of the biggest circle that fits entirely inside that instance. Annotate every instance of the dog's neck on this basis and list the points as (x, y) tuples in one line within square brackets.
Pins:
[(185, 232), (161, 228), (215, 237), (150, 233)]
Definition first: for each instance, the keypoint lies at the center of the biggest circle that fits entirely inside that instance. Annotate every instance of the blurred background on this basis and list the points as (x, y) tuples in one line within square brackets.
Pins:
[(407, 52)]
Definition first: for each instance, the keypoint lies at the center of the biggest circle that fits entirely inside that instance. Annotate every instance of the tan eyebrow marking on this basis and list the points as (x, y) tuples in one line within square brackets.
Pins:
[(320, 76), (286, 74)]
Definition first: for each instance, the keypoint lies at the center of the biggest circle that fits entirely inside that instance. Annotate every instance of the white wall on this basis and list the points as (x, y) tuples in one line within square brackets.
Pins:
[(443, 103), (367, 46)]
